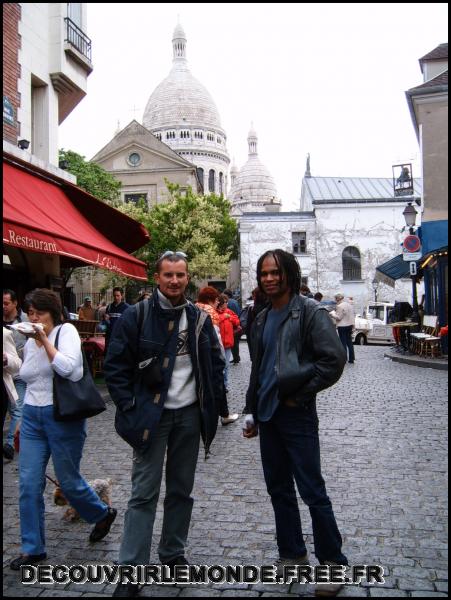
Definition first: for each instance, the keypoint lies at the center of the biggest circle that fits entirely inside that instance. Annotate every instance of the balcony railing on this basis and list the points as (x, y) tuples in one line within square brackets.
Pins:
[(78, 39)]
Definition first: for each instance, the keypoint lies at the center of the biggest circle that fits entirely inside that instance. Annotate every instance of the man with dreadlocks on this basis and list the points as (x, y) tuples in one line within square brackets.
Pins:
[(307, 357)]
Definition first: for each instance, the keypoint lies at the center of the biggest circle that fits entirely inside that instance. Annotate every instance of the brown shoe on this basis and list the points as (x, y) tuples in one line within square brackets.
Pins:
[(281, 563), (328, 589)]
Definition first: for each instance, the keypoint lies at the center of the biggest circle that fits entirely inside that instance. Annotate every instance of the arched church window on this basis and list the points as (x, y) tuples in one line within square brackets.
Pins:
[(211, 181), (200, 176), (352, 267)]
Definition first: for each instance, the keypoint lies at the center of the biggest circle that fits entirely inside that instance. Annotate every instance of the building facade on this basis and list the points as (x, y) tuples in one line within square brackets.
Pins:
[(428, 104), (46, 64), (142, 163), (344, 229), (51, 226)]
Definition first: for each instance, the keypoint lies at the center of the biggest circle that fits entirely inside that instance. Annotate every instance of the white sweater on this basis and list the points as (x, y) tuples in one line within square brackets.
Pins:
[(182, 389), (344, 314), (37, 370)]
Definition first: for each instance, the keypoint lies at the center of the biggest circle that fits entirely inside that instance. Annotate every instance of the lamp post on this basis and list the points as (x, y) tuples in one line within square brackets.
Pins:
[(410, 215), (375, 285)]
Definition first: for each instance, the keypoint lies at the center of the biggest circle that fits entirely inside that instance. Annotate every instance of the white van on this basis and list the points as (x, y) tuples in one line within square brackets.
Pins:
[(372, 326)]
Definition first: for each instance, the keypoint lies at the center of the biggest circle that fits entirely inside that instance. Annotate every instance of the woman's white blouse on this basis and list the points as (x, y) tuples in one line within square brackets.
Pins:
[(37, 370)]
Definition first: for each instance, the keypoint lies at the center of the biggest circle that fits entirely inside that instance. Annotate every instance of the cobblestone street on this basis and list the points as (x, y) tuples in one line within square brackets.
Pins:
[(383, 432)]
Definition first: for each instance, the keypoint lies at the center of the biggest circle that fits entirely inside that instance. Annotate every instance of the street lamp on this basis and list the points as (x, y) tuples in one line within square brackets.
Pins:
[(375, 285), (410, 215)]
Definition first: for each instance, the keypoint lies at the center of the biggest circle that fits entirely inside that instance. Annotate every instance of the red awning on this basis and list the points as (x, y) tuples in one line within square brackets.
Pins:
[(40, 217)]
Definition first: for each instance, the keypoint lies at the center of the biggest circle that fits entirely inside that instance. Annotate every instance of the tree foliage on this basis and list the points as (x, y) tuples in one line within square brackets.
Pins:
[(92, 177), (200, 226)]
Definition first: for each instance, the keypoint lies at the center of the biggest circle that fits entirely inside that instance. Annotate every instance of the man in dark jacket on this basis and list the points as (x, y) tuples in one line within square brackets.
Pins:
[(114, 312), (164, 371), (280, 405)]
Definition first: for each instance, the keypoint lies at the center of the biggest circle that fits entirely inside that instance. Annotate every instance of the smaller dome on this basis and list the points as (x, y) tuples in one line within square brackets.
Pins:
[(253, 187)]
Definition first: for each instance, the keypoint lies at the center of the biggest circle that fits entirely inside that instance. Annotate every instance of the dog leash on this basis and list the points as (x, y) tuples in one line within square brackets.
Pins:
[(52, 480)]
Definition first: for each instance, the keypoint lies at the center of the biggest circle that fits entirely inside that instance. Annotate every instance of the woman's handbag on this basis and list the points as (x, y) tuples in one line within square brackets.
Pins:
[(76, 400)]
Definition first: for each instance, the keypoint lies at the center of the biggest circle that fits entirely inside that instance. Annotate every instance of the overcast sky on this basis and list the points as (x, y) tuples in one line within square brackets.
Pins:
[(324, 79)]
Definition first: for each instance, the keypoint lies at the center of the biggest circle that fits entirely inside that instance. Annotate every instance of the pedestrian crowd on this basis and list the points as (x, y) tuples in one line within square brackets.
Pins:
[(168, 367)]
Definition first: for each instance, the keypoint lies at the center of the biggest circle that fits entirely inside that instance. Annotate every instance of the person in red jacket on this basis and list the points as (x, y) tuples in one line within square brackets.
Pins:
[(228, 322)]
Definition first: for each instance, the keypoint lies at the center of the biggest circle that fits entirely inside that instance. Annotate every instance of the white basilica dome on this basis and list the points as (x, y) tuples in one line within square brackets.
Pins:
[(253, 188), (180, 99), (183, 115)]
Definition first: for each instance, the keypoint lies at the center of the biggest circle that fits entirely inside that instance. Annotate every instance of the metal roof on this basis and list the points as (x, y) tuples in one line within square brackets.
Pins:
[(352, 189)]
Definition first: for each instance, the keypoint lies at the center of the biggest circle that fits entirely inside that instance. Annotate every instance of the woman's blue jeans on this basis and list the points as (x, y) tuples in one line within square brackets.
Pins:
[(290, 453), (16, 410), (41, 437)]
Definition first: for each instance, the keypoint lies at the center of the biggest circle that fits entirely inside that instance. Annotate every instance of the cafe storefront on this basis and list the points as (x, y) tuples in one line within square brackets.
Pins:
[(50, 225)]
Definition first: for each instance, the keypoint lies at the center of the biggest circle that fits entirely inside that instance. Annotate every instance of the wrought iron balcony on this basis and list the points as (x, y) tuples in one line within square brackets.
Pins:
[(78, 39)]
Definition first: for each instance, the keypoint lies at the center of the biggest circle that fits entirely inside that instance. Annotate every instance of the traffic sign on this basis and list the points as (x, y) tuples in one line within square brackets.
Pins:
[(412, 243), (410, 256), (413, 268)]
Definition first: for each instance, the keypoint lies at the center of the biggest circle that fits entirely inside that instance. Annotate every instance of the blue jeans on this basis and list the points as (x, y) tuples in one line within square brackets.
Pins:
[(228, 356), (345, 335), (178, 434), (16, 411), (290, 452), (41, 437)]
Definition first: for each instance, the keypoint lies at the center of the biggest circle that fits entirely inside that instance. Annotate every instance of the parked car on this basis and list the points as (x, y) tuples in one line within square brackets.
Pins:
[(373, 326)]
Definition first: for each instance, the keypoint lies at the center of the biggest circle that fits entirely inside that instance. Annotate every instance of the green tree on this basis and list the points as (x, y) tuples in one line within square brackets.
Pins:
[(92, 177), (200, 226)]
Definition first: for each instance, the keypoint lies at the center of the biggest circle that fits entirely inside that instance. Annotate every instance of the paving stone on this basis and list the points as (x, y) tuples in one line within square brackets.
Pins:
[(428, 595), (384, 454), (239, 594), (377, 592)]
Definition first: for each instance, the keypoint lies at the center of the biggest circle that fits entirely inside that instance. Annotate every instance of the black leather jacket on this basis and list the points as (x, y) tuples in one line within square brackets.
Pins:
[(310, 356)]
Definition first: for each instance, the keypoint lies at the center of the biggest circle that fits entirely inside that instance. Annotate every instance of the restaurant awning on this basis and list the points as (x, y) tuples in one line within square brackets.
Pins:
[(395, 268), (41, 215), (433, 235)]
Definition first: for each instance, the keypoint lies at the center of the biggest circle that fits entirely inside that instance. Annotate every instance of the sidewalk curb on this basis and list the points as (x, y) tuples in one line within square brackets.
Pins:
[(418, 362)]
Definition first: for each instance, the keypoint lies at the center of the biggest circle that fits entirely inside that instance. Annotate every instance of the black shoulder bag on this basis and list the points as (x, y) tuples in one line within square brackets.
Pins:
[(76, 400)]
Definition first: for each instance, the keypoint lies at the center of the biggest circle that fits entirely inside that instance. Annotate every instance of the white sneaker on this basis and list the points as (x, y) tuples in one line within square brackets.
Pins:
[(281, 563), (230, 419)]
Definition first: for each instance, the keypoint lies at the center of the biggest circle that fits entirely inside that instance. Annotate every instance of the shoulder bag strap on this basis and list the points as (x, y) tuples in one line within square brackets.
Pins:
[(57, 337), (83, 355)]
